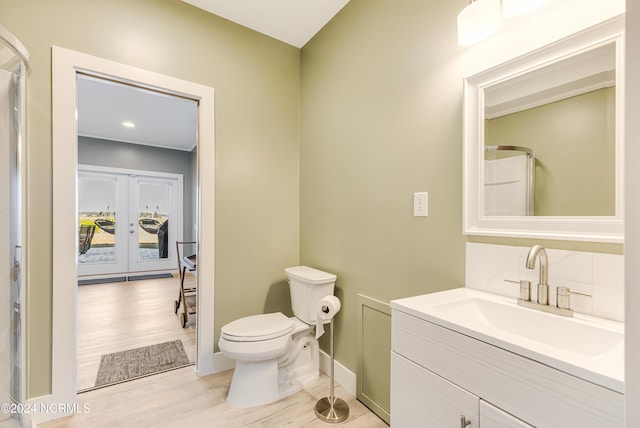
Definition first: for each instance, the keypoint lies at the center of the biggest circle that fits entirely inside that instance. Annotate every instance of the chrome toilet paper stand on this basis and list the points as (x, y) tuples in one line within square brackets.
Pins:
[(331, 409)]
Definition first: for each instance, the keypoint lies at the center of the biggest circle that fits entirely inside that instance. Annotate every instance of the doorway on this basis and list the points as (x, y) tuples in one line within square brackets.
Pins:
[(128, 220), (66, 66)]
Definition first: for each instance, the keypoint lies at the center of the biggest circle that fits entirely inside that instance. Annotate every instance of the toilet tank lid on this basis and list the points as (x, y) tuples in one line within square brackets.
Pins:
[(310, 275)]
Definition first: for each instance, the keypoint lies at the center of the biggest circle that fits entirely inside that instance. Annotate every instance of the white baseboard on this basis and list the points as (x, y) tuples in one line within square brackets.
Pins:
[(343, 376), (220, 363), (45, 408)]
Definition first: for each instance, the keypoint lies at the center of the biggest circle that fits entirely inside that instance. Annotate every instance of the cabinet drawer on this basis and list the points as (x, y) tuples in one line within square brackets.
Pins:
[(420, 398), (539, 394), (492, 417)]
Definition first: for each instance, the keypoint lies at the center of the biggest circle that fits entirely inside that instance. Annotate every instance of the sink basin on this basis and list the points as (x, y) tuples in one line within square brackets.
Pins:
[(589, 340), (588, 347)]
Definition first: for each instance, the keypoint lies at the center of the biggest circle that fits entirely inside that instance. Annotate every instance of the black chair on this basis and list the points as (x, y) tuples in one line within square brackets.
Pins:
[(163, 240), (85, 237)]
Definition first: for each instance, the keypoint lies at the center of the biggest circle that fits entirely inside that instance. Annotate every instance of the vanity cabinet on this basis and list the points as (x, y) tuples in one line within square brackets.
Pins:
[(421, 398), (424, 399), (439, 376)]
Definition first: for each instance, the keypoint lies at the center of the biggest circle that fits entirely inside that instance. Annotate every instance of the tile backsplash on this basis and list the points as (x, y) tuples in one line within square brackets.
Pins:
[(599, 275)]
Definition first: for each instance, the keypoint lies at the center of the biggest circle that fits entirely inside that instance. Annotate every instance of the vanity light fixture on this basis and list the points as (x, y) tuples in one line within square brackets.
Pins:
[(128, 124), (511, 8), (479, 20)]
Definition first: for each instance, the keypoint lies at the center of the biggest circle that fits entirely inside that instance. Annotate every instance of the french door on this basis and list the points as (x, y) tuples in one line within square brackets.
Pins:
[(127, 221)]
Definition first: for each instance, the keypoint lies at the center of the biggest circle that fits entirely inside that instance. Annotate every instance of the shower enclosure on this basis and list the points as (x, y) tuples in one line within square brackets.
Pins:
[(14, 68), (509, 181)]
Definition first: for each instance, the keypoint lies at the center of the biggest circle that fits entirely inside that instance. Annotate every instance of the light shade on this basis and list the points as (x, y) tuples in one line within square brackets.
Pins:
[(512, 8), (478, 21)]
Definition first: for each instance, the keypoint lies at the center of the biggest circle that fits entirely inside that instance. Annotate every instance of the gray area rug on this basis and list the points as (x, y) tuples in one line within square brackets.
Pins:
[(134, 363)]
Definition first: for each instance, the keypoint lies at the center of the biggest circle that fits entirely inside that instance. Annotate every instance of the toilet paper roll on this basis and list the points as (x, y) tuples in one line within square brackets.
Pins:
[(327, 308)]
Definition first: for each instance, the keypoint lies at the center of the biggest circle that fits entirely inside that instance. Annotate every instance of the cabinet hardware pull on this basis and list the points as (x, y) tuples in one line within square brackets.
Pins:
[(464, 422)]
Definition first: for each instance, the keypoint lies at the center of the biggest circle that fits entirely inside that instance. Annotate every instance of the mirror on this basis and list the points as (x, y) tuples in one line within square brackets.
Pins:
[(543, 146)]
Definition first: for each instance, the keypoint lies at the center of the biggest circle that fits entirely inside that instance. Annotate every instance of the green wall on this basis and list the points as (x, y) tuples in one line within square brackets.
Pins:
[(382, 119), (256, 80)]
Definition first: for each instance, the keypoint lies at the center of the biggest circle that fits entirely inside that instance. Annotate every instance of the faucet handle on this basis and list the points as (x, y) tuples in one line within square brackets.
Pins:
[(562, 297), (525, 288)]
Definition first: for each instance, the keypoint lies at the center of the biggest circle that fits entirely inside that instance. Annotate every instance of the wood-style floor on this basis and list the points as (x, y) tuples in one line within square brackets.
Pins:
[(127, 315), (116, 317), (181, 399)]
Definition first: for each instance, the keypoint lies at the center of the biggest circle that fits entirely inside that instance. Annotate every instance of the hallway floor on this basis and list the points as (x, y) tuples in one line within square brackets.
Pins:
[(120, 316)]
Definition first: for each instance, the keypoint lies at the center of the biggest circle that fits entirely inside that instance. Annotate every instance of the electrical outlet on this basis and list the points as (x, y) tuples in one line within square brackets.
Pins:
[(420, 204)]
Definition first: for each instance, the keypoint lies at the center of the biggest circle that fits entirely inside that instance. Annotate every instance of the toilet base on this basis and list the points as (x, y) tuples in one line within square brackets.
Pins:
[(256, 383)]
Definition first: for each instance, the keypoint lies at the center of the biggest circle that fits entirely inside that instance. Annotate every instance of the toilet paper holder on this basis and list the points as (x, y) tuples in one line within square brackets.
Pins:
[(331, 409)]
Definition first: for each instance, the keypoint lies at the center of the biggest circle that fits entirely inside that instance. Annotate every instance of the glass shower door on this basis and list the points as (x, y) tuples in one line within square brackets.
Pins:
[(13, 73)]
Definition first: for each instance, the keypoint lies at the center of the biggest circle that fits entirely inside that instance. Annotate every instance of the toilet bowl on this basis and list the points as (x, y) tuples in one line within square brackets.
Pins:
[(277, 356)]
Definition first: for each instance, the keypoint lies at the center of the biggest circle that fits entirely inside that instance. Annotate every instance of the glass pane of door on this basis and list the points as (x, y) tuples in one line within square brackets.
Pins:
[(153, 220), (101, 197), (97, 218), (153, 217)]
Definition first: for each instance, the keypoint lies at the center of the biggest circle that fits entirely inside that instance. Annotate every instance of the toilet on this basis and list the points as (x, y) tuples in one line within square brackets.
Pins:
[(277, 356)]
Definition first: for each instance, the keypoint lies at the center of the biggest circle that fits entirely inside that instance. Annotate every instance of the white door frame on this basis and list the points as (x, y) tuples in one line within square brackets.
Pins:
[(174, 230), (65, 65)]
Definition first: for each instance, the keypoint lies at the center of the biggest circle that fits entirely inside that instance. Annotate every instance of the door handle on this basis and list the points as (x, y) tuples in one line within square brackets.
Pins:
[(16, 270)]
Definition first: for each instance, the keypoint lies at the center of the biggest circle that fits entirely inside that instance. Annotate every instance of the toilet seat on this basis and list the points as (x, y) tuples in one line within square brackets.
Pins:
[(256, 328)]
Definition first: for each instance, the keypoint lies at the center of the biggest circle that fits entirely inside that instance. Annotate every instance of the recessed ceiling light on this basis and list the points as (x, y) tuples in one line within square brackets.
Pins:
[(128, 124)]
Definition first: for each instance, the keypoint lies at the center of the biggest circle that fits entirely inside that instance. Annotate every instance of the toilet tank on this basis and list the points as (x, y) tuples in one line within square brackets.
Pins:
[(307, 287)]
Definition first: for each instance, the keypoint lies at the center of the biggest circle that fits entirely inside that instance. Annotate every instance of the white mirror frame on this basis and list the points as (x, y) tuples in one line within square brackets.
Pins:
[(586, 228)]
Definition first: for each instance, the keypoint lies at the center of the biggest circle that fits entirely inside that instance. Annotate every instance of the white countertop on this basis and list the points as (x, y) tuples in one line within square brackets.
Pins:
[(585, 346)]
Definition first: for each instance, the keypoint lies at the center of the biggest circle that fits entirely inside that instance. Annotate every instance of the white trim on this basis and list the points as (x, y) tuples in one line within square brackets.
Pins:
[(343, 376), (221, 363), (586, 228), (126, 171), (130, 275), (632, 230), (42, 417), (65, 65)]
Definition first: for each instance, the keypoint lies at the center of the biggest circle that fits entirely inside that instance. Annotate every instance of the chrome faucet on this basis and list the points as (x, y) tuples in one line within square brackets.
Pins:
[(537, 251)]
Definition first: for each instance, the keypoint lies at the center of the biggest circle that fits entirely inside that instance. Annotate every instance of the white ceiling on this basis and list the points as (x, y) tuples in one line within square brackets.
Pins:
[(292, 21), (160, 120), (167, 121)]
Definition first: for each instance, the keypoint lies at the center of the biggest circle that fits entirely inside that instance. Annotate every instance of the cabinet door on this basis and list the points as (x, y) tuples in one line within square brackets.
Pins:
[(491, 416), (420, 398)]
